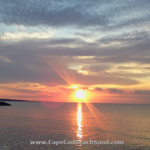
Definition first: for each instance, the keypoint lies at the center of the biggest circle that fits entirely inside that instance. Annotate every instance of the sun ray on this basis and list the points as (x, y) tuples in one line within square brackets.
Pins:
[(100, 119)]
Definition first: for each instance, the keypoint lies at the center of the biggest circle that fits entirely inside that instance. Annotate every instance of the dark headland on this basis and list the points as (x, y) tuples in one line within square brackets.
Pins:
[(4, 104)]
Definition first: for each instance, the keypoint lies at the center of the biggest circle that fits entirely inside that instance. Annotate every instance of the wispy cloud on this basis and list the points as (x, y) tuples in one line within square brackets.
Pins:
[(17, 36)]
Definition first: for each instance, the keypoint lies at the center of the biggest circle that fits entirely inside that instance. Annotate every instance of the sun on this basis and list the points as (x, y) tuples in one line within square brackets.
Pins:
[(80, 94)]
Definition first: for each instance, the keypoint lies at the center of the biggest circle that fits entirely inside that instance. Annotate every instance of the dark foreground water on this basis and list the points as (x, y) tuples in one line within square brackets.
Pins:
[(24, 122)]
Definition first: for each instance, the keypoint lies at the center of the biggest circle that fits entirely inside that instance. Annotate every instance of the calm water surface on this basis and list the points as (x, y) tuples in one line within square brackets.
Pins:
[(34, 121)]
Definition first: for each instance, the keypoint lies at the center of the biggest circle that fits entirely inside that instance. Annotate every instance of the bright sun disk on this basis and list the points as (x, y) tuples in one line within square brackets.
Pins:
[(80, 94)]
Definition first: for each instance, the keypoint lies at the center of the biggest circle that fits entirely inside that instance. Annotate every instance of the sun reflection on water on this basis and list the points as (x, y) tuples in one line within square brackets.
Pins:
[(79, 121)]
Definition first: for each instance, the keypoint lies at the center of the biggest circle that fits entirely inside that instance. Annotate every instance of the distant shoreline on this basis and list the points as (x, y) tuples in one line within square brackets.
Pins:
[(16, 100), (3, 99)]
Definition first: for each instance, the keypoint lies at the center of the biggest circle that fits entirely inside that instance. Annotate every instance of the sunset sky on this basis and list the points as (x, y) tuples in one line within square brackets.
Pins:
[(49, 49)]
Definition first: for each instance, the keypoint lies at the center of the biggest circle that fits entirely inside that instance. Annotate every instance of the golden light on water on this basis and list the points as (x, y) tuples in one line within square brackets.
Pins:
[(79, 121)]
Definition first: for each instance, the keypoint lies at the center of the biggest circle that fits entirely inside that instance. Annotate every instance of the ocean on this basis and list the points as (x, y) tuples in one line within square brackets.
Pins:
[(74, 126)]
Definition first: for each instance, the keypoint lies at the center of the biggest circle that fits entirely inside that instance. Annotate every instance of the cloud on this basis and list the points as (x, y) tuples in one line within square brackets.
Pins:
[(96, 80), (84, 35), (5, 59), (67, 42), (142, 92), (26, 91), (37, 69), (98, 89), (57, 13), (115, 91), (109, 90), (31, 61), (49, 13), (133, 68), (19, 72), (85, 88), (95, 68), (129, 74), (126, 39), (25, 35), (67, 91), (139, 52)]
